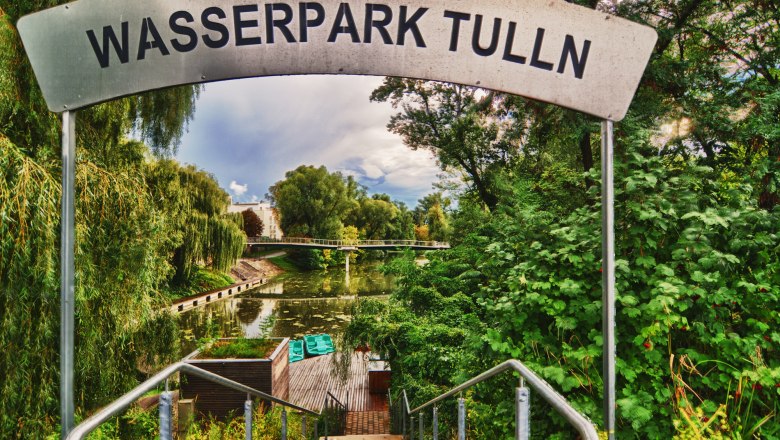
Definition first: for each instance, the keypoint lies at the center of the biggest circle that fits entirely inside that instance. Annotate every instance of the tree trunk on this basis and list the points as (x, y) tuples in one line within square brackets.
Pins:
[(586, 151)]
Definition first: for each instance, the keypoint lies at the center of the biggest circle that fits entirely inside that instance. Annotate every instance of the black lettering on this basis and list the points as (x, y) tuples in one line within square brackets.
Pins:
[(570, 51), (344, 13), (405, 26), (239, 25), (103, 52), (491, 49), (380, 25), (221, 29), (280, 23), (510, 41), (535, 61), (147, 28), (307, 23), (456, 17), (183, 30)]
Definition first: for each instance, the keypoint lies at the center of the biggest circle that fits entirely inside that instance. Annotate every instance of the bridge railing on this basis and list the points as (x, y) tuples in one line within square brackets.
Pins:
[(408, 417), (347, 243)]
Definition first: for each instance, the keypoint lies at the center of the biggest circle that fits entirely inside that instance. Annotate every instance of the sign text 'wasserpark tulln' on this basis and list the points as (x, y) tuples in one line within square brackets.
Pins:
[(91, 51)]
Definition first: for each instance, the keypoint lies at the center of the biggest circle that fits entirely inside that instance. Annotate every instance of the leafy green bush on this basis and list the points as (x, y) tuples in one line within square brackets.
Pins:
[(697, 276), (240, 348), (697, 282)]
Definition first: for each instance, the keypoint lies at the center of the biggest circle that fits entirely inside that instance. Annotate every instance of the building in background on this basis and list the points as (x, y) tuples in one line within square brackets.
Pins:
[(266, 213)]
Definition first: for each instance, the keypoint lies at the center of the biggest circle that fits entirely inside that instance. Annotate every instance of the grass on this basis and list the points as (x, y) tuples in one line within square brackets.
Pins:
[(239, 348), (285, 264), (257, 253), (202, 280)]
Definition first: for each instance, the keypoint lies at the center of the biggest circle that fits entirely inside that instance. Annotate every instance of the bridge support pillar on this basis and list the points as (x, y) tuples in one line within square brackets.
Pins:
[(346, 275)]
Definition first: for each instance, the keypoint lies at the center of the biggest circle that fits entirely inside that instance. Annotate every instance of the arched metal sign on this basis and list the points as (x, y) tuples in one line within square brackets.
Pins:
[(92, 51)]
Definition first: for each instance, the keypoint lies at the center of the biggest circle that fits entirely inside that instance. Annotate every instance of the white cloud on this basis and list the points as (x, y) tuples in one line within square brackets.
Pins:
[(372, 171), (254, 130), (238, 189)]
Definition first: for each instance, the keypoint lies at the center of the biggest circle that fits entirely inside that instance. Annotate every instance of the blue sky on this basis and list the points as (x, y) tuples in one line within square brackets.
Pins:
[(249, 132)]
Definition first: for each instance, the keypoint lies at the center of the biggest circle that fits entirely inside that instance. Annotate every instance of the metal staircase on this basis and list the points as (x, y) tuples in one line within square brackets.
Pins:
[(398, 423), (410, 423)]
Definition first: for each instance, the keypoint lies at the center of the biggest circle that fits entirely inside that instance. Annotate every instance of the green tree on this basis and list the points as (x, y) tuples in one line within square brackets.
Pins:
[(713, 83), (375, 218), (122, 242), (457, 124), (196, 208), (438, 226), (431, 219), (420, 212), (403, 223), (313, 202)]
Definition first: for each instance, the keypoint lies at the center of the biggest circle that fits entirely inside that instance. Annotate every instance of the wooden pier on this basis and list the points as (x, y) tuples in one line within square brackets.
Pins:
[(311, 379)]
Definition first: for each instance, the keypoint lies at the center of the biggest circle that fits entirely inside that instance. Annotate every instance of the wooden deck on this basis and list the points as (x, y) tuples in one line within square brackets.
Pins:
[(311, 378)]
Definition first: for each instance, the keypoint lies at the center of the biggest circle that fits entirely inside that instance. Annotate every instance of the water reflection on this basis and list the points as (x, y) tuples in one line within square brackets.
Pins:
[(364, 279), (302, 303)]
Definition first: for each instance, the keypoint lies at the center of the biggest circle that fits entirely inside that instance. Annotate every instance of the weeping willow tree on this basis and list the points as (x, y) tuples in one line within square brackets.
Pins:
[(125, 238), (196, 208), (119, 266)]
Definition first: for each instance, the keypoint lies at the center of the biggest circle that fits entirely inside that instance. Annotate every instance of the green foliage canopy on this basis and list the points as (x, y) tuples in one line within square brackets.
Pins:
[(126, 232), (312, 202)]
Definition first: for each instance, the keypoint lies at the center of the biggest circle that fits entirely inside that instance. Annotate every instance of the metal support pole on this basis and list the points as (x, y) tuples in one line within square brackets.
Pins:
[(411, 427), (422, 426), (435, 423), (284, 424), (403, 418), (67, 272), (248, 417), (461, 419), (522, 413), (166, 416), (325, 412), (608, 273), (303, 426), (170, 396)]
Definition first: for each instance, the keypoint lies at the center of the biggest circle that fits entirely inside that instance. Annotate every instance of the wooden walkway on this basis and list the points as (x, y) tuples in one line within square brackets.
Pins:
[(311, 378)]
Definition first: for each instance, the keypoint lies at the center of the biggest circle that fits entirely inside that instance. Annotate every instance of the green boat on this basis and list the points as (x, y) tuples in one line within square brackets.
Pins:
[(327, 343), (317, 345), (296, 350)]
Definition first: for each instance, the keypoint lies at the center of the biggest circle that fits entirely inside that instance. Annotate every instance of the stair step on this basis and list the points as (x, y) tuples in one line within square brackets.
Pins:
[(367, 423), (366, 437)]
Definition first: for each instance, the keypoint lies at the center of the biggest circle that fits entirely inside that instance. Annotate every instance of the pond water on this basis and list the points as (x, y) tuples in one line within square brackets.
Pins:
[(290, 305)]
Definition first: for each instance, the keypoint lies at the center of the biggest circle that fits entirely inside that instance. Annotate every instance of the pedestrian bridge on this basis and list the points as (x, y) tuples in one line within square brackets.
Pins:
[(346, 245)]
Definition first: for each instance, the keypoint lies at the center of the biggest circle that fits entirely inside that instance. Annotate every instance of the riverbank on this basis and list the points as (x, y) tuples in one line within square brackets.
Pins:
[(254, 268), (247, 273)]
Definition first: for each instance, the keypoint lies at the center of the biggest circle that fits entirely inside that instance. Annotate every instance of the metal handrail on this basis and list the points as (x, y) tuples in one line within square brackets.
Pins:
[(581, 423), (337, 243), (332, 397), (127, 399), (406, 403), (340, 411)]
